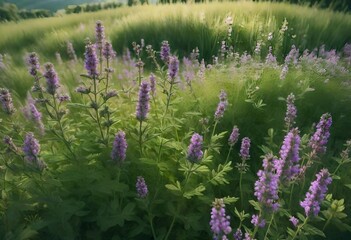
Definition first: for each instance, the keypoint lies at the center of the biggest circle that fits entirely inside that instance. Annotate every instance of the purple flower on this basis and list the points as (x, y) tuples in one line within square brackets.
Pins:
[(294, 221), (141, 187), (287, 166), (245, 148), (110, 94), (194, 150), (70, 51), (165, 51), (33, 64), (119, 148), (222, 105), (321, 135), (292, 56), (238, 235), (52, 80), (91, 60), (108, 51), (284, 71), (219, 223), (266, 187), (99, 33), (256, 221), (153, 84), (270, 58), (173, 67), (316, 193), (6, 101), (32, 113), (64, 98), (234, 136), (248, 237), (10, 145), (143, 105), (291, 111), (82, 90), (31, 149)]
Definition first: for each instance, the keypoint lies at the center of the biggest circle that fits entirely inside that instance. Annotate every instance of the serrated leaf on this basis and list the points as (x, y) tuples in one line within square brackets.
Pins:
[(196, 192), (230, 200)]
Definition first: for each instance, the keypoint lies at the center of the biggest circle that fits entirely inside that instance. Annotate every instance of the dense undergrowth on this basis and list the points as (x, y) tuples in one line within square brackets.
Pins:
[(138, 145)]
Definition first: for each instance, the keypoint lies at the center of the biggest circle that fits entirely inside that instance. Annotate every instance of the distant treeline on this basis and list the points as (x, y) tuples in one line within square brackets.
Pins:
[(10, 12), (91, 7)]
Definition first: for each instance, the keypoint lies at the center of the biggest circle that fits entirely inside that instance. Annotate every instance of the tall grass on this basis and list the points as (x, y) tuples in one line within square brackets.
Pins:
[(185, 26)]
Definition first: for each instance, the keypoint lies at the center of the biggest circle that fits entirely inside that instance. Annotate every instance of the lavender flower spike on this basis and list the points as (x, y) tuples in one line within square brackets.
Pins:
[(234, 136), (6, 101), (194, 150), (33, 64), (222, 105), (291, 111), (316, 193), (266, 187), (257, 221), (70, 51), (108, 51), (143, 105), (165, 51), (294, 221), (119, 148), (91, 60), (245, 148), (52, 80), (173, 67), (238, 235), (219, 223), (153, 84), (32, 113), (321, 135), (31, 149), (99, 34), (141, 187)]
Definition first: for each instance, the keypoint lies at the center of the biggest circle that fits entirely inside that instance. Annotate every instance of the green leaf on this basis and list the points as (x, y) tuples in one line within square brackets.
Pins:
[(255, 204), (348, 186), (301, 217), (195, 192), (174, 187), (230, 200), (313, 230)]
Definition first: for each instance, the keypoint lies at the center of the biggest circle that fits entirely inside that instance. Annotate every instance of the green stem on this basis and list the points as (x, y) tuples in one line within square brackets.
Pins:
[(240, 188), (170, 228), (328, 221), (269, 226), (291, 195), (140, 137), (169, 95), (299, 228), (97, 110), (226, 160)]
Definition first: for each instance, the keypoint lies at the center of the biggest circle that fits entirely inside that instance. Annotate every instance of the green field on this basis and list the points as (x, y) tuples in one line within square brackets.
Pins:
[(75, 187)]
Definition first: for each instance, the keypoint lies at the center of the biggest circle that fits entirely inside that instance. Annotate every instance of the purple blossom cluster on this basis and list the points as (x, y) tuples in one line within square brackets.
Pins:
[(316, 193), (320, 137), (266, 187), (291, 111), (91, 60), (141, 187), (234, 136), (107, 51), (119, 148), (143, 105), (220, 222), (257, 221), (195, 148), (31, 148), (52, 80), (245, 148), (287, 166), (33, 64), (6, 101), (270, 58), (165, 51), (99, 34), (222, 105), (292, 56), (173, 67), (31, 113), (10, 144), (152, 79), (294, 221), (71, 52), (238, 235)]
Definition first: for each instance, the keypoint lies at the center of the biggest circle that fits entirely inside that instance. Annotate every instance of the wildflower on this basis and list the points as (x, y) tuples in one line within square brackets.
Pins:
[(238, 235), (234, 136), (64, 98), (165, 51), (70, 51), (52, 80), (143, 105), (316, 193), (270, 36), (110, 94), (219, 223), (31, 149), (222, 105), (291, 111), (32, 113), (119, 148), (292, 56), (194, 150), (9, 143), (266, 187), (284, 71), (91, 60), (6, 101), (202, 70), (141, 187), (321, 135), (294, 221), (99, 34), (33, 64), (108, 51), (248, 237), (82, 90), (256, 221), (173, 67), (153, 84), (245, 148), (287, 166), (270, 58)]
